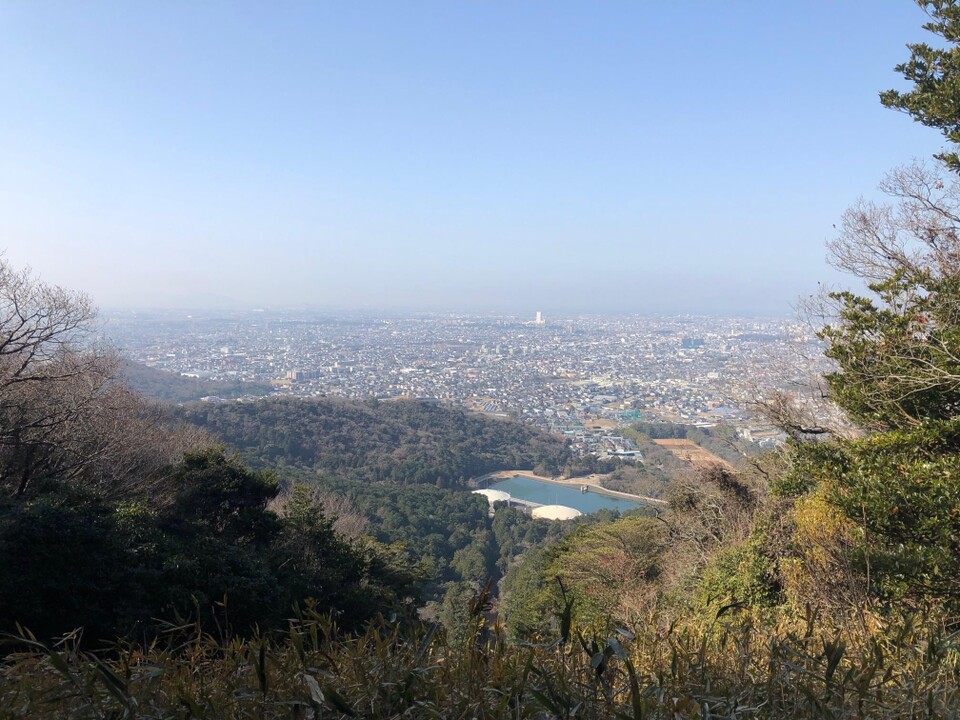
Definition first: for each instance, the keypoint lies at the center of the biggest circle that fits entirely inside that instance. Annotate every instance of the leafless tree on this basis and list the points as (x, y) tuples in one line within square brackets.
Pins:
[(347, 521), (41, 325), (709, 508), (803, 413), (63, 412), (917, 234)]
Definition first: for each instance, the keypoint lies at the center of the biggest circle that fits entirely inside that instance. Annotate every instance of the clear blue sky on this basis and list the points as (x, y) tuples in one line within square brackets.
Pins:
[(503, 156)]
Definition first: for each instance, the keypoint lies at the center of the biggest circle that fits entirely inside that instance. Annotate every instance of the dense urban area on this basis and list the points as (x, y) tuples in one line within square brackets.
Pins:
[(566, 375)]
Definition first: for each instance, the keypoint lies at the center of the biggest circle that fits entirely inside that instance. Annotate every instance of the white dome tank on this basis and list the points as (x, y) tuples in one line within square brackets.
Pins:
[(556, 512), (493, 496)]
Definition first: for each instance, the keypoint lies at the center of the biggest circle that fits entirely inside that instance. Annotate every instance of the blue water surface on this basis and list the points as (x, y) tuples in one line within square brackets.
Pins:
[(524, 488)]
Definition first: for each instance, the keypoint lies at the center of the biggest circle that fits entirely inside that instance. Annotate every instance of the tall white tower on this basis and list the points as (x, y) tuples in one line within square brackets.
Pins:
[(539, 320)]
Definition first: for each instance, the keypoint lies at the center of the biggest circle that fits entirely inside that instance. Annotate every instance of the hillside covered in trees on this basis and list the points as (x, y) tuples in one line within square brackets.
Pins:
[(169, 387), (402, 441), (397, 468)]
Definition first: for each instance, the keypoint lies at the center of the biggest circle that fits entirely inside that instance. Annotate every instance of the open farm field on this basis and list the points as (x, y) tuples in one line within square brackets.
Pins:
[(690, 452)]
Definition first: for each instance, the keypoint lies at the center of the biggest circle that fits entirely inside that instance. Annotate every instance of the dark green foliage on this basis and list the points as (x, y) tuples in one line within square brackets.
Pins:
[(743, 574), (218, 539), (662, 431), (455, 615), (515, 532), (529, 598), (397, 464), (809, 463), (897, 358), (217, 495), (355, 581), (897, 355), (903, 489), (934, 72), (397, 441), (474, 562), (70, 559), (432, 525), (583, 465)]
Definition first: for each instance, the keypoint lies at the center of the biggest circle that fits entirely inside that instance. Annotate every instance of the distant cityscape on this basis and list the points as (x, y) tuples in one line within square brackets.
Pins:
[(583, 376)]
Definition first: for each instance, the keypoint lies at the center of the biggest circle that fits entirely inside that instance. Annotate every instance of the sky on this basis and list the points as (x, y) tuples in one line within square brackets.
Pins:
[(649, 157)]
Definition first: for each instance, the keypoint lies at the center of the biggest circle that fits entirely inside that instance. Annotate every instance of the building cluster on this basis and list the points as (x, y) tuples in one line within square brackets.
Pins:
[(583, 376)]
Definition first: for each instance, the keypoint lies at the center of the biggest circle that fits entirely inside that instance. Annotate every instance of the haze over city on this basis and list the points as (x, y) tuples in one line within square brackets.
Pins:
[(444, 156)]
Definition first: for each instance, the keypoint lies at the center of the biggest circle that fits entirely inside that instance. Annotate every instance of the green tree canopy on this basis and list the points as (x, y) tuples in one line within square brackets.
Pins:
[(935, 75)]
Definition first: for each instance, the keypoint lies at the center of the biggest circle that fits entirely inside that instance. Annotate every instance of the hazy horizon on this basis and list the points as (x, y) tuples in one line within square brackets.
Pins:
[(494, 308), (550, 317), (445, 157)]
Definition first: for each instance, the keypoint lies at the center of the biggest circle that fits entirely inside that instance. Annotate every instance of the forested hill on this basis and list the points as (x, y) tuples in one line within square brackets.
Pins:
[(173, 388), (405, 441)]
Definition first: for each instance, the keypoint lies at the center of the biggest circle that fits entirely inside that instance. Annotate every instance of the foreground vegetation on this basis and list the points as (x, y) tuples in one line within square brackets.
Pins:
[(729, 668)]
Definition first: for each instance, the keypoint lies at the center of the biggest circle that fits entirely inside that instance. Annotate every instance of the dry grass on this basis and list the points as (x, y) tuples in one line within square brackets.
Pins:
[(731, 668)]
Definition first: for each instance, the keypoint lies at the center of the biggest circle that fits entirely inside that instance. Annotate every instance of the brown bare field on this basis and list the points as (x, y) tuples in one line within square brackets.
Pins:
[(689, 451)]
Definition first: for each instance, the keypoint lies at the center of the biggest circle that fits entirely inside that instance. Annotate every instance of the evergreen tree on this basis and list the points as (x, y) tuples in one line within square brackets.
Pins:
[(935, 74), (897, 354)]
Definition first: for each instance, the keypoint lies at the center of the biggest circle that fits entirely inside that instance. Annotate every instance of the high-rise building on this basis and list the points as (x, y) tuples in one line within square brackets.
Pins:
[(539, 320)]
